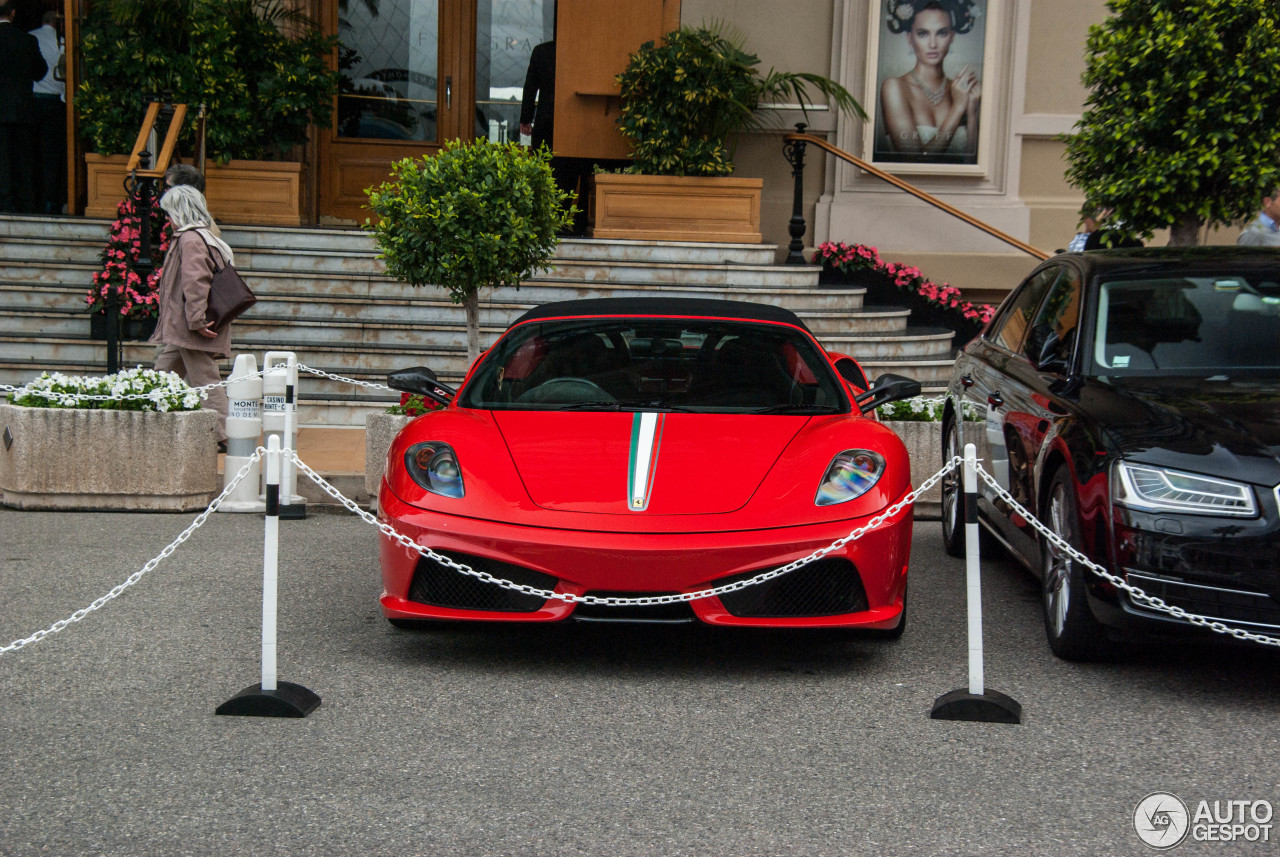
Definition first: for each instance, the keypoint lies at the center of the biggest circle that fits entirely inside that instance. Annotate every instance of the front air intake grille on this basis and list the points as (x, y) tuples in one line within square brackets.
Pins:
[(1234, 606), (827, 587), (441, 586)]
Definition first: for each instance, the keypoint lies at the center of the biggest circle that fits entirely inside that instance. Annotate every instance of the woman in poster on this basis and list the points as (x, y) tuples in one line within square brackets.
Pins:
[(926, 114)]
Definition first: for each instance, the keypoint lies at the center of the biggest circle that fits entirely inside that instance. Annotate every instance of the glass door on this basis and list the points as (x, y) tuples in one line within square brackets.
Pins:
[(405, 78), (507, 31)]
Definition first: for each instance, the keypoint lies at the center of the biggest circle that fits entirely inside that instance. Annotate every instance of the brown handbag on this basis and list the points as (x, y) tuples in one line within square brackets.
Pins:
[(229, 297)]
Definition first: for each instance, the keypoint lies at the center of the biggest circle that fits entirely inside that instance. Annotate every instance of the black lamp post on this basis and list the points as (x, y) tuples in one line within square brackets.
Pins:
[(793, 151)]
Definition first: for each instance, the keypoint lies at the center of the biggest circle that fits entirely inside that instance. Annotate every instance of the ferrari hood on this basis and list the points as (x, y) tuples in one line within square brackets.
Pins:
[(643, 463)]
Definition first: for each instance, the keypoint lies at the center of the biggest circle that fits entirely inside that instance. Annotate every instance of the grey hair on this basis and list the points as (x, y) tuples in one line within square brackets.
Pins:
[(187, 210), (186, 207)]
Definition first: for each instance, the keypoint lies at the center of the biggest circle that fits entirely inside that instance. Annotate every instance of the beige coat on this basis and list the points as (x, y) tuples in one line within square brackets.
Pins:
[(183, 292)]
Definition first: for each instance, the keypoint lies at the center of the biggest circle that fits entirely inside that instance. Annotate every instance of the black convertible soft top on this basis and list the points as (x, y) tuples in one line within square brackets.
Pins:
[(694, 307)]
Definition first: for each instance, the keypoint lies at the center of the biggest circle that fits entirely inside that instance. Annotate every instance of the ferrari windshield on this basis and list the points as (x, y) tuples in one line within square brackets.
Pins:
[(1188, 325), (706, 366)]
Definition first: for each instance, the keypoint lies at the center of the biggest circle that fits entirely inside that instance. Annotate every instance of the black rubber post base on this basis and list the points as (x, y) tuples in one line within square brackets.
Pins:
[(990, 707), (293, 511), (287, 700)]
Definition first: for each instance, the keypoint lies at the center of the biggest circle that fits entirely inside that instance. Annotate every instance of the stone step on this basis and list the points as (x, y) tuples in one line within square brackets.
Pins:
[(37, 251), (53, 228), (865, 347)]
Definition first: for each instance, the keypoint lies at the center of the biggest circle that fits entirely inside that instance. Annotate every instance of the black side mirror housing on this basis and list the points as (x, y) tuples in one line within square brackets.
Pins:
[(421, 381), (887, 388)]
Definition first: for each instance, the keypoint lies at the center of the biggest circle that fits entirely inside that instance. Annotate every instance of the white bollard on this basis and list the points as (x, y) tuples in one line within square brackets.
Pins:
[(270, 697), (279, 418), (975, 702), (244, 431), (973, 569)]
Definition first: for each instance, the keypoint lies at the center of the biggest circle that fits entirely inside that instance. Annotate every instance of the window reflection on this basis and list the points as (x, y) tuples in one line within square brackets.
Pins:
[(388, 55)]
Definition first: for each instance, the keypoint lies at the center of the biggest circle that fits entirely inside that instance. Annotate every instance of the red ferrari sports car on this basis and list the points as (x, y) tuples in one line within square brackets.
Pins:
[(628, 447)]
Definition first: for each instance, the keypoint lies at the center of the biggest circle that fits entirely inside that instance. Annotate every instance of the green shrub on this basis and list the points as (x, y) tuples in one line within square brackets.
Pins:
[(473, 215), (258, 68), (683, 99)]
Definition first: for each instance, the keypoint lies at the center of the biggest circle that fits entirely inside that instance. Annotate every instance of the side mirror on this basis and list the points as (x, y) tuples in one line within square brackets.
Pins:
[(1049, 357), (887, 388), (421, 381)]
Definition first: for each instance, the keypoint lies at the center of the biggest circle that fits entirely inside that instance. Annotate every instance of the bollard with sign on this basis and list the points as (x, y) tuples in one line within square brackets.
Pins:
[(279, 419), (244, 431), (976, 702)]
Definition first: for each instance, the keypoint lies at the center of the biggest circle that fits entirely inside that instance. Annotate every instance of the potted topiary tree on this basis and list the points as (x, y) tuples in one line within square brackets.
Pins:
[(474, 215), (257, 66), (683, 102)]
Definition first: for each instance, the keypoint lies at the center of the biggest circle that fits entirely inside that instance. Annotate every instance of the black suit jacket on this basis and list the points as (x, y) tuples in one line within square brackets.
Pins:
[(20, 66), (538, 105)]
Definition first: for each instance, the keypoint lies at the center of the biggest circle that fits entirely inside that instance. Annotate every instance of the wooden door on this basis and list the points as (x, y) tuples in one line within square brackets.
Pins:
[(407, 86), (594, 41)]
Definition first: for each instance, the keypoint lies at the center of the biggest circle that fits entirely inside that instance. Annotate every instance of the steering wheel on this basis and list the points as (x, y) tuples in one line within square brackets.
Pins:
[(566, 391)]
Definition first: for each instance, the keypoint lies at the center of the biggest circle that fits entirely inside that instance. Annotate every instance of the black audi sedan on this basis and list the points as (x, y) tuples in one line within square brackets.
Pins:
[(1132, 404)]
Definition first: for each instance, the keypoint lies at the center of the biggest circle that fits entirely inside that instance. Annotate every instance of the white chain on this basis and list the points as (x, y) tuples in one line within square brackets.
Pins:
[(199, 521), (332, 377), (1149, 600), (614, 601)]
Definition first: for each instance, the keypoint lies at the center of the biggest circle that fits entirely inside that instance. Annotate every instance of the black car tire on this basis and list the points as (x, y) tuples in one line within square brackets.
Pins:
[(1073, 632), (953, 511)]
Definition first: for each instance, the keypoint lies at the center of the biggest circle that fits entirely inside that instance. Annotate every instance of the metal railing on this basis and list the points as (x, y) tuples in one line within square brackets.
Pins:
[(793, 149)]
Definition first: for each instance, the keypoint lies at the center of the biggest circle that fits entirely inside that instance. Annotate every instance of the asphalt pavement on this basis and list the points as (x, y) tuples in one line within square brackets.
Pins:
[(572, 740)]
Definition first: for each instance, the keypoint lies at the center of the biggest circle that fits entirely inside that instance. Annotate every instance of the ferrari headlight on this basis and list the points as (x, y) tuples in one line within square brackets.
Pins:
[(1156, 489), (851, 474), (435, 467)]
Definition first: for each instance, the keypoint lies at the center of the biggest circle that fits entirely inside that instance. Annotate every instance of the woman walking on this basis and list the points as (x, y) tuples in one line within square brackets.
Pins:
[(191, 345)]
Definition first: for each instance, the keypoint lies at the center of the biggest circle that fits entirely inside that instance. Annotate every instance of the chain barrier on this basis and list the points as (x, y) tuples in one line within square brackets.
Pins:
[(1149, 600), (615, 601), (332, 377), (151, 564)]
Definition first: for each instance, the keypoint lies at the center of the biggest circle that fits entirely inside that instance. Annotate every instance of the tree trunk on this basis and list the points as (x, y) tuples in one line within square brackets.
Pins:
[(1186, 232), (472, 305)]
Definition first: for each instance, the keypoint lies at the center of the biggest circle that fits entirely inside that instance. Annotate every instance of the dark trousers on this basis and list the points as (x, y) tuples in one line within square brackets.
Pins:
[(51, 151), (17, 192)]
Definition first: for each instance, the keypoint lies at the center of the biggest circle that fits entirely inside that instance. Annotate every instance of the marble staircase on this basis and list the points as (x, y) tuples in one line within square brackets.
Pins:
[(323, 294)]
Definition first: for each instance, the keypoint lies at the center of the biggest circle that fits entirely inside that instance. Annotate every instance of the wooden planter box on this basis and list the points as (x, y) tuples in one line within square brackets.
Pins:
[(265, 193), (677, 208), (379, 430), (77, 458)]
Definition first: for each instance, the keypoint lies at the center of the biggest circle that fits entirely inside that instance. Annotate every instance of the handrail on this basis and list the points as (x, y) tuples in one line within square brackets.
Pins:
[(916, 192)]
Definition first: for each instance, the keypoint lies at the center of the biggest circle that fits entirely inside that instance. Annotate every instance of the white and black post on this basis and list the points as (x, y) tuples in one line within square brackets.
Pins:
[(271, 698), (975, 702), (280, 418)]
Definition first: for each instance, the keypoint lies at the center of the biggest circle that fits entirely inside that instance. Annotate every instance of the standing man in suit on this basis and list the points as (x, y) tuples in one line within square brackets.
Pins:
[(21, 65)]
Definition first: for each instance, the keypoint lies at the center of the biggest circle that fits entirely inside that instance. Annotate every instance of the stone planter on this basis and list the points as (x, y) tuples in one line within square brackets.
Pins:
[(379, 430), (924, 445), (72, 458), (677, 208), (267, 193)]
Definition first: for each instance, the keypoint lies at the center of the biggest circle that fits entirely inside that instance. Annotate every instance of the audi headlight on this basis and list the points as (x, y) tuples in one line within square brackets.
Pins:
[(435, 467), (1156, 489), (851, 474)]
